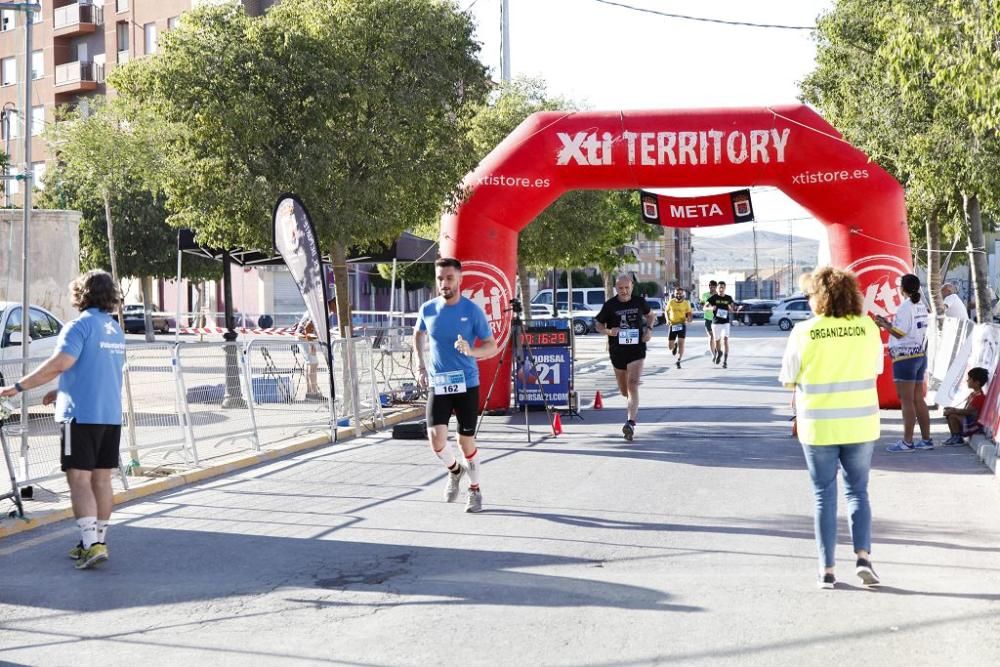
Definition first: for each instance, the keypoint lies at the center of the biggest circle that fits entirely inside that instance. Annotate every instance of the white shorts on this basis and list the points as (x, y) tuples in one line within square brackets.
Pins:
[(720, 330)]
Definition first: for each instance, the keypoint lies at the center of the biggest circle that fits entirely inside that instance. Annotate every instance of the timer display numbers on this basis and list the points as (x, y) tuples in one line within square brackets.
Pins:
[(545, 338)]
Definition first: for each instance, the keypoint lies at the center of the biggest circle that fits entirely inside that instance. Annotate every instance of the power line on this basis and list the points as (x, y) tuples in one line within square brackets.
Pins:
[(702, 19)]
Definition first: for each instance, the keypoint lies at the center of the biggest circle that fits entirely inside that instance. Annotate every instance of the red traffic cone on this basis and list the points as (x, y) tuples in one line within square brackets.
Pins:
[(598, 401), (557, 424)]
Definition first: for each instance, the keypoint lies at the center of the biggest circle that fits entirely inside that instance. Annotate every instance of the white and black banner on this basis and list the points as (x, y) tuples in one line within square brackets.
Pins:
[(295, 240)]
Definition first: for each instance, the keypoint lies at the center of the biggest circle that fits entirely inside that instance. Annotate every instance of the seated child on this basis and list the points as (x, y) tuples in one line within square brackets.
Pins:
[(962, 422)]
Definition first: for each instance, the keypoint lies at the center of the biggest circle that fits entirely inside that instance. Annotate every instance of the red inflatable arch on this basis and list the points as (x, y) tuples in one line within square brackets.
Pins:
[(788, 147)]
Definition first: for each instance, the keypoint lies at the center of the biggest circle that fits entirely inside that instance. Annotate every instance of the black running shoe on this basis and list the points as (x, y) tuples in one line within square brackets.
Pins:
[(678, 364), (863, 568), (827, 581), (628, 430)]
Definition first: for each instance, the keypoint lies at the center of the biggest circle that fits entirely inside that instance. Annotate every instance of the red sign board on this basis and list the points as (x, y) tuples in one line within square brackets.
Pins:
[(724, 209)]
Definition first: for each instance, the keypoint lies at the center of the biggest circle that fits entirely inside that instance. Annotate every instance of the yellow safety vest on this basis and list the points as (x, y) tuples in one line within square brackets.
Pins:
[(836, 402)]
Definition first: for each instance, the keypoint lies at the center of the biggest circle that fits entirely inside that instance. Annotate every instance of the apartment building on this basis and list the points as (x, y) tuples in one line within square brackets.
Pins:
[(75, 46), (667, 259)]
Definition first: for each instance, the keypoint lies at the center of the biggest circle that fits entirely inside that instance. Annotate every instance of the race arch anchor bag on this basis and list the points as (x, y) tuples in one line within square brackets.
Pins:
[(410, 431)]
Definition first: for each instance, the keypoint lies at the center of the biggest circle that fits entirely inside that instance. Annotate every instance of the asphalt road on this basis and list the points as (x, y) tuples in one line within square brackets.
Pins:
[(691, 545)]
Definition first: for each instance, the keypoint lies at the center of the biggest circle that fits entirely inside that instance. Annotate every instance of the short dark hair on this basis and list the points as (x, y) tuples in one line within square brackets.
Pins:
[(95, 289), (445, 262), (712, 283), (980, 375), (722, 283)]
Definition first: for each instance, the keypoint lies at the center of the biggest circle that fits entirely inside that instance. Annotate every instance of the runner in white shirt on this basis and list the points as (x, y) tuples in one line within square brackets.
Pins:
[(907, 347)]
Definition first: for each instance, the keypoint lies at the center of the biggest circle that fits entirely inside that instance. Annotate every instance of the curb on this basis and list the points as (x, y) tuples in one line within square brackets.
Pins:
[(184, 479), (986, 449)]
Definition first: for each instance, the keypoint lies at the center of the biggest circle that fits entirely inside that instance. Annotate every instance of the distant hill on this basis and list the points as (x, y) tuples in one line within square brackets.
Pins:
[(735, 252)]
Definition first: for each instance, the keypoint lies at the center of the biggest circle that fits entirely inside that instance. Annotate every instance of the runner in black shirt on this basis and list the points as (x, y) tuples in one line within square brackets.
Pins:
[(628, 323), (722, 313)]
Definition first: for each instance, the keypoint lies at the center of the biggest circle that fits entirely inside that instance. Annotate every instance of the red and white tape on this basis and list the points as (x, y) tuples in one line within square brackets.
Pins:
[(273, 331)]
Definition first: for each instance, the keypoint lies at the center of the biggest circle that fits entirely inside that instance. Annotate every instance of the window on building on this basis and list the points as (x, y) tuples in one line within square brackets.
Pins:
[(13, 185), (149, 31), (121, 35), (12, 126), (38, 174), (37, 64), (8, 20), (37, 16), (37, 120), (121, 5), (172, 22), (8, 71)]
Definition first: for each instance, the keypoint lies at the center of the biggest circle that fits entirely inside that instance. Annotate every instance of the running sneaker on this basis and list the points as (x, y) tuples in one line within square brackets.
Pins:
[(827, 581), (924, 444), (900, 446), (866, 572), (725, 364), (474, 503), (629, 430), (678, 363), (954, 441), (451, 489), (97, 553), (77, 551)]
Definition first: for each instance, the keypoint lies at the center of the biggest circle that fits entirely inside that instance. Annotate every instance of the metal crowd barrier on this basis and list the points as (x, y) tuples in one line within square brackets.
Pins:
[(192, 402)]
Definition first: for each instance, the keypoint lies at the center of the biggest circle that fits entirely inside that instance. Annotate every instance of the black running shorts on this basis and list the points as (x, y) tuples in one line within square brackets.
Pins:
[(680, 333), (708, 326), (623, 355), (89, 446), (465, 406)]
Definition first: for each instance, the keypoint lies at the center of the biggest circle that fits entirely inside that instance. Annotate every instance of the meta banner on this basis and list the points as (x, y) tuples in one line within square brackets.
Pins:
[(724, 209), (295, 240)]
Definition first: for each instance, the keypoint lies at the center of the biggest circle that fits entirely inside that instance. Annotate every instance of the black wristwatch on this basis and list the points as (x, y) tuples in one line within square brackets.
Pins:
[(18, 387)]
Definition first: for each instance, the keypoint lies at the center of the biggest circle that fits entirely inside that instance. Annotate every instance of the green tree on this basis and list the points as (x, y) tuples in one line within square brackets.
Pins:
[(361, 108)]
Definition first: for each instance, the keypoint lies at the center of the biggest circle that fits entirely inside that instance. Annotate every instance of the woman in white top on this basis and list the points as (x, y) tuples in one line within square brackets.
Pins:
[(908, 350)]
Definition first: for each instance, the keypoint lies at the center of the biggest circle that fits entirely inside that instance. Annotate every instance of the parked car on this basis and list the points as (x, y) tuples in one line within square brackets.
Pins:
[(755, 311), (790, 311), (589, 298), (656, 305), (583, 319), (135, 320), (43, 328)]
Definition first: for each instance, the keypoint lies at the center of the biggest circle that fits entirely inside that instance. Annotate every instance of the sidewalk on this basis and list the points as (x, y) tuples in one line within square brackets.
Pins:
[(691, 545)]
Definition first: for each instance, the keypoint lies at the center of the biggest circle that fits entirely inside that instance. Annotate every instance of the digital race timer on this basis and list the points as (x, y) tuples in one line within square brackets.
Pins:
[(545, 337)]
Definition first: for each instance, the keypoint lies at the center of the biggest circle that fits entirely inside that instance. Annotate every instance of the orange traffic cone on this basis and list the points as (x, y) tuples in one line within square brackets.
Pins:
[(598, 401), (557, 424)]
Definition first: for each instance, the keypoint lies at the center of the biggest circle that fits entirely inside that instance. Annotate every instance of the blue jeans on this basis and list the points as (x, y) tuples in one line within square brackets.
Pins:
[(856, 463)]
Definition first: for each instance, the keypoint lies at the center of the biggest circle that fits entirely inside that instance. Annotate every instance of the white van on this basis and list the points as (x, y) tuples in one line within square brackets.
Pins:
[(591, 297)]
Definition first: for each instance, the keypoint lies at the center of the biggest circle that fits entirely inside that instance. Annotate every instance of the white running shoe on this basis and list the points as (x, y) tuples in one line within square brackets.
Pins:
[(452, 488)]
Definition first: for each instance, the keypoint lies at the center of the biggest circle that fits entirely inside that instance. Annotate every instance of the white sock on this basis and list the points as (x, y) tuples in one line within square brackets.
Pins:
[(447, 456), (88, 530), (102, 531), (472, 462)]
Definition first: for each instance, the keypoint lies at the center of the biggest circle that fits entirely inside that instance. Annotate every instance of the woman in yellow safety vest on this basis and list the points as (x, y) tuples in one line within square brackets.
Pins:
[(832, 361)]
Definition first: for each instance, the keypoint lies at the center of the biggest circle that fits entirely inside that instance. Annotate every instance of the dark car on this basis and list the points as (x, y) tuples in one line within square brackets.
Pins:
[(135, 321), (755, 311)]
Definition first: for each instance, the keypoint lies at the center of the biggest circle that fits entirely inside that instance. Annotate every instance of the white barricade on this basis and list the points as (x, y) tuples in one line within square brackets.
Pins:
[(290, 388), (360, 403)]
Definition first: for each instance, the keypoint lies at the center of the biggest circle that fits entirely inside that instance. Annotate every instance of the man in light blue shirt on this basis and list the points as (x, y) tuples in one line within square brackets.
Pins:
[(88, 360), (452, 324)]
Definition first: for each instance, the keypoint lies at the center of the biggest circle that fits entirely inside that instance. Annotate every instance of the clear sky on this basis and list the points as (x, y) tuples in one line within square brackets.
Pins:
[(608, 57)]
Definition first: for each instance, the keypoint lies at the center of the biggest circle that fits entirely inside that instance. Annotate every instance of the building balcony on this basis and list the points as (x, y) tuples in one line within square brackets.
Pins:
[(75, 77), (75, 19)]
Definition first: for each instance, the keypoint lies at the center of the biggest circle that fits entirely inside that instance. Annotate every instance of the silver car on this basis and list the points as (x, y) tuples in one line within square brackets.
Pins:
[(790, 311)]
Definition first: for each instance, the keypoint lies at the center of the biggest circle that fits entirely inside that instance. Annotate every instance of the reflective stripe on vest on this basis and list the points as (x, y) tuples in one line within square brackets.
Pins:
[(836, 402)]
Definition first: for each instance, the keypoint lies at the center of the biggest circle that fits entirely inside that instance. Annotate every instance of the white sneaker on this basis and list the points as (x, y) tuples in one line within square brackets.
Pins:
[(452, 488), (474, 503)]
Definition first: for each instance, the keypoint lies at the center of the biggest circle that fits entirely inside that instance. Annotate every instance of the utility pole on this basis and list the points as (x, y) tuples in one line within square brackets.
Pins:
[(791, 262), (756, 267), (505, 40)]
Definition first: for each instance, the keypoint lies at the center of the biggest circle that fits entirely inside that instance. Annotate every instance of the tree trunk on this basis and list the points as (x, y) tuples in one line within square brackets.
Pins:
[(977, 258), (934, 281), (338, 255), (525, 284), (147, 299)]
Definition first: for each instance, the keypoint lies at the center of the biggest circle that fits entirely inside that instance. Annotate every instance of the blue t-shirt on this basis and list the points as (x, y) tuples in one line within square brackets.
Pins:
[(90, 391), (444, 324)]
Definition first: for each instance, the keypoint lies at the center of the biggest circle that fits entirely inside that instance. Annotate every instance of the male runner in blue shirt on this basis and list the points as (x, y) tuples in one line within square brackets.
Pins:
[(452, 323)]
